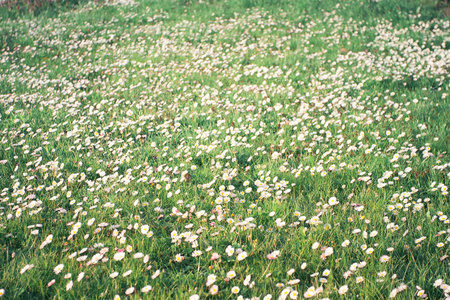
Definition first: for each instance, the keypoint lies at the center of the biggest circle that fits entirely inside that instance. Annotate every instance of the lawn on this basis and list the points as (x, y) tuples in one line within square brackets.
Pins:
[(235, 149)]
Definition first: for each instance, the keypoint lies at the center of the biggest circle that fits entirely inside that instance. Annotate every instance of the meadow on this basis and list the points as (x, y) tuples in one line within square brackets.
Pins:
[(236, 149)]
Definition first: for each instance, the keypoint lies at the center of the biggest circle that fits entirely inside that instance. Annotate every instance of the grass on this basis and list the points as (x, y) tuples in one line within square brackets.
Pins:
[(301, 144)]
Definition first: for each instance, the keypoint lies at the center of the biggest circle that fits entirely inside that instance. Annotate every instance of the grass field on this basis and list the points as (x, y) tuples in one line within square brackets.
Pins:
[(225, 150)]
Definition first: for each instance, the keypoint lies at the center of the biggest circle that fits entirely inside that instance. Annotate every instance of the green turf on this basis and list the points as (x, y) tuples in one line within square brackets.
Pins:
[(301, 144)]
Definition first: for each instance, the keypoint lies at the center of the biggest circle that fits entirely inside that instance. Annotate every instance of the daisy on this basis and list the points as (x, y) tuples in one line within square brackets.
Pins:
[(311, 292), (156, 274), (179, 258), (273, 255), (247, 280), (243, 255), (51, 282), (369, 250), (231, 274), (210, 279), (328, 251), (26, 268), (285, 292), (384, 258), (49, 239), (119, 256), (293, 295), (214, 290), (144, 229), (58, 269), (343, 290), (215, 256), (333, 201), (69, 285), (129, 291)]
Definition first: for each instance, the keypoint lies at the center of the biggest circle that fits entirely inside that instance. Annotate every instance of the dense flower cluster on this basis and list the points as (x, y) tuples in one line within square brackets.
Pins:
[(244, 156)]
